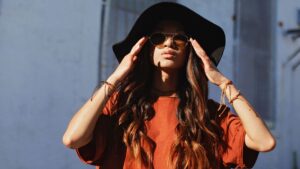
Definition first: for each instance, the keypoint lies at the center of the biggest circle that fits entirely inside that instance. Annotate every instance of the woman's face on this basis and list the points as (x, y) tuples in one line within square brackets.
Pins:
[(171, 53)]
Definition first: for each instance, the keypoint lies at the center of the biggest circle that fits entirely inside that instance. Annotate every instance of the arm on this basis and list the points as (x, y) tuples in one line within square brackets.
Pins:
[(81, 127), (258, 136)]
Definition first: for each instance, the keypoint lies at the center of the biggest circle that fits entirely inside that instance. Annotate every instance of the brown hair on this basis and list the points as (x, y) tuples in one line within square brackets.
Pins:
[(198, 135)]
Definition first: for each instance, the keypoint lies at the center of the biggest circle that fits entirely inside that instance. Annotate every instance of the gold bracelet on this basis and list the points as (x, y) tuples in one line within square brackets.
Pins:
[(226, 84), (223, 91), (109, 84), (235, 97), (97, 87)]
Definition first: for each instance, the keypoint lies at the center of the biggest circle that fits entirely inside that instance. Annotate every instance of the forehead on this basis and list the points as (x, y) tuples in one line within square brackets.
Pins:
[(168, 26)]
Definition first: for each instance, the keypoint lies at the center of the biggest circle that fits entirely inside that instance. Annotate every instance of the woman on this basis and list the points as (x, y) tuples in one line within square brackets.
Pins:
[(154, 111)]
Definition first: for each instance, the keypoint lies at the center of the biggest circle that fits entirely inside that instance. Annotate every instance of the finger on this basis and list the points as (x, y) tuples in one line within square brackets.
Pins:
[(200, 51), (134, 57), (138, 46), (198, 48)]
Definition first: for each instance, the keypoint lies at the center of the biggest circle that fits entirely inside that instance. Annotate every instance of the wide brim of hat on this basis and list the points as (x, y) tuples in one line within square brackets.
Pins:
[(210, 36)]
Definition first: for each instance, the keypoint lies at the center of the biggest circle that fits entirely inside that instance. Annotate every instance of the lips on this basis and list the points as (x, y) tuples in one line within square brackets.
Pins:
[(169, 54)]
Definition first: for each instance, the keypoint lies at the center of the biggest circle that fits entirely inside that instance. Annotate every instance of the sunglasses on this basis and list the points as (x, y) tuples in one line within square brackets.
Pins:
[(158, 39)]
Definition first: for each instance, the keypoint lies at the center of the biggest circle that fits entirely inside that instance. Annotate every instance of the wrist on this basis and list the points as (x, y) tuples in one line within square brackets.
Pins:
[(112, 80), (224, 83)]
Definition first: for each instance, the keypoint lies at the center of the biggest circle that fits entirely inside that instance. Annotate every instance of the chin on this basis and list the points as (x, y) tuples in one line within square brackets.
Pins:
[(168, 67)]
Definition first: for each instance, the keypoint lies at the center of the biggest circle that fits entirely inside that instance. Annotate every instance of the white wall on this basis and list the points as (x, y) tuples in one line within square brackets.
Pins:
[(48, 68), (287, 76), (287, 123)]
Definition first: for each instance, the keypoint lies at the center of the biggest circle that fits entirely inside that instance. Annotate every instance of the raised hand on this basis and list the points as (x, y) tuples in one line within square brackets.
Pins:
[(129, 60), (211, 71)]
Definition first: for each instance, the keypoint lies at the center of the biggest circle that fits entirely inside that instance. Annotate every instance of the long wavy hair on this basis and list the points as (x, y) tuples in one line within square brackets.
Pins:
[(198, 135)]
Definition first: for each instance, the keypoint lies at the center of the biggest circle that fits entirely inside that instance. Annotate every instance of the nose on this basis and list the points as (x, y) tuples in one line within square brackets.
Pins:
[(168, 42)]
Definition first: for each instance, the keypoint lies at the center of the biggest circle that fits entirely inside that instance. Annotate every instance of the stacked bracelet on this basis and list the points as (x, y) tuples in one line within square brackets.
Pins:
[(102, 82), (109, 84), (224, 86), (222, 99), (235, 97)]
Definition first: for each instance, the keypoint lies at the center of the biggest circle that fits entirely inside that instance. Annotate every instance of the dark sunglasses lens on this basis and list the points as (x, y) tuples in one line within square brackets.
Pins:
[(157, 38), (180, 40)]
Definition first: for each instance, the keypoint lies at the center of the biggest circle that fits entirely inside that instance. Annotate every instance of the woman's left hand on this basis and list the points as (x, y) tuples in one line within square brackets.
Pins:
[(211, 71)]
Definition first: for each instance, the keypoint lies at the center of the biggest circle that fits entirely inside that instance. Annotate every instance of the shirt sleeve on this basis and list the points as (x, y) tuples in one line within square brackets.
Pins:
[(92, 152), (236, 153)]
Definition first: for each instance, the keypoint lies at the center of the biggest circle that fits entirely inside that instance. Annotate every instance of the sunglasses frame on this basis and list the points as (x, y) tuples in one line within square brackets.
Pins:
[(166, 35)]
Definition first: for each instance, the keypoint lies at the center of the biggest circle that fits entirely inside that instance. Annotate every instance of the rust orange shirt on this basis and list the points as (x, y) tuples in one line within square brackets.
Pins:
[(107, 151)]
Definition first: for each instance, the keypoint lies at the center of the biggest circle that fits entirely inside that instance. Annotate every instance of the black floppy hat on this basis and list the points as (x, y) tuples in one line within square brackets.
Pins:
[(210, 36)]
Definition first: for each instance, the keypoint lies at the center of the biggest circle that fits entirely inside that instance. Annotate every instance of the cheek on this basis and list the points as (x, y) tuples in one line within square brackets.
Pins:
[(183, 57), (154, 56)]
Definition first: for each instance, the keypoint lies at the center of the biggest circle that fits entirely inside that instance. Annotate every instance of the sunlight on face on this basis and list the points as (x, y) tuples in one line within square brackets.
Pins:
[(168, 55)]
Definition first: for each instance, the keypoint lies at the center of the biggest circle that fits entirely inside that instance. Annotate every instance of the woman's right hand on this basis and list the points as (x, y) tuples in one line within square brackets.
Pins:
[(81, 127), (129, 60)]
